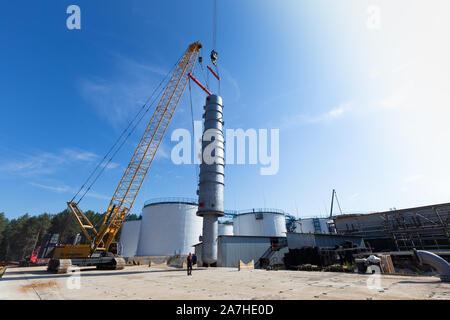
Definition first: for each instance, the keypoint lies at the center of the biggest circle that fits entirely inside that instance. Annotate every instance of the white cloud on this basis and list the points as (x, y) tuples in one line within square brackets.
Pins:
[(354, 196), (67, 189), (118, 98), (57, 189), (46, 162), (112, 165), (399, 98), (96, 195), (162, 152), (228, 78), (133, 66), (79, 155), (414, 178), (334, 113), (331, 115)]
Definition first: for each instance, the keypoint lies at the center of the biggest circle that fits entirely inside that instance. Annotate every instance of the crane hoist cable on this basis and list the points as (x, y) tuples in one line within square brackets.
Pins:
[(200, 62), (117, 141), (218, 74), (100, 164), (214, 55), (214, 24), (337, 200), (334, 196), (118, 149), (193, 131)]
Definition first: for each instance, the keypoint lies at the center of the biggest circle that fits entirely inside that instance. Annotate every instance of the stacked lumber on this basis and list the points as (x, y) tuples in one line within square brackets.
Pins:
[(386, 264), (156, 265), (246, 266), (2, 271)]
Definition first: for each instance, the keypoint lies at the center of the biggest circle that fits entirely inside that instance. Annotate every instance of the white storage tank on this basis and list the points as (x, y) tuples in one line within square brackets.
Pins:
[(260, 222), (129, 238), (169, 226), (225, 228), (297, 226), (314, 225)]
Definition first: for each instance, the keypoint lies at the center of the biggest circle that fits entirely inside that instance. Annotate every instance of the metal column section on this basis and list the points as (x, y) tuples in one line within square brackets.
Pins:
[(211, 182)]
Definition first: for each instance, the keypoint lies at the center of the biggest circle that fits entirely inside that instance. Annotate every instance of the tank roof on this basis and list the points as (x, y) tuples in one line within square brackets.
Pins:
[(260, 210), (226, 222), (170, 200), (192, 201), (129, 218)]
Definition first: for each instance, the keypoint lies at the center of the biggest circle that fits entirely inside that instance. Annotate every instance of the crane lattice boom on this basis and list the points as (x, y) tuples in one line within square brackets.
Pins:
[(131, 182)]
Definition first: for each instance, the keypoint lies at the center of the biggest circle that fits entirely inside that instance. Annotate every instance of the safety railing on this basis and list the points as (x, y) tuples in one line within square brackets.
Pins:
[(171, 200)]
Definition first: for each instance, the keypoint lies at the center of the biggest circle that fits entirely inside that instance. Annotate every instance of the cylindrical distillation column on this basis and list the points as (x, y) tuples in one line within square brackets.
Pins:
[(211, 181)]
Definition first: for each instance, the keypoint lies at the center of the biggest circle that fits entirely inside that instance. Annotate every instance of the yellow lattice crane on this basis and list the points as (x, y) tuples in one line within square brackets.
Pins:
[(96, 252)]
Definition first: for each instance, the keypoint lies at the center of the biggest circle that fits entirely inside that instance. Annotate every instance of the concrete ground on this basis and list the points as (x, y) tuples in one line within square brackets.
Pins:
[(142, 282)]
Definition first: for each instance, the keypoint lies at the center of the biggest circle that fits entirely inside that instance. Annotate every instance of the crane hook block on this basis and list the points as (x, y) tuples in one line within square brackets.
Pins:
[(214, 57)]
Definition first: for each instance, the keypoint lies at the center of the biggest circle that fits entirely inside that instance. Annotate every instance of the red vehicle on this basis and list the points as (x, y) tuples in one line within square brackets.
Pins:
[(35, 260), (41, 254)]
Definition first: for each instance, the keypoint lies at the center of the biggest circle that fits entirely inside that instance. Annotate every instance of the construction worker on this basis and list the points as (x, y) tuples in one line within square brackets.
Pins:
[(189, 264)]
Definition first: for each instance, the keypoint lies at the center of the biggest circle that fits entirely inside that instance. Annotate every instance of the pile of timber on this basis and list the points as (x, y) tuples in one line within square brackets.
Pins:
[(2, 271)]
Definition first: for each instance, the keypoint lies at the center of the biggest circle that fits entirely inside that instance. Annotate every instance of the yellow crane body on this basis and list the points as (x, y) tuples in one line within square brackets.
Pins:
[(128, 188)]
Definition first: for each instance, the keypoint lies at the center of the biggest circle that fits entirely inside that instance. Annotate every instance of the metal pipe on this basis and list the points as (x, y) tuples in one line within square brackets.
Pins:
[(440, 264), (199, 84), (332, 200), (215, 75)]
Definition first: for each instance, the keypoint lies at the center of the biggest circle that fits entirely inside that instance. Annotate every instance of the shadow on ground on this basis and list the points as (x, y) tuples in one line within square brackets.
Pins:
[(422, 282), (44, 274)]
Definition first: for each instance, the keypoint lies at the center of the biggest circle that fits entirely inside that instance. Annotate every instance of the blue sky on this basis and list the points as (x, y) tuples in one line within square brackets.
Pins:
[(360, 109)]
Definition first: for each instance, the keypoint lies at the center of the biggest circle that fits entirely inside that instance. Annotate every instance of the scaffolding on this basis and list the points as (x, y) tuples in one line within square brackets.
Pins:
[(425, 228)]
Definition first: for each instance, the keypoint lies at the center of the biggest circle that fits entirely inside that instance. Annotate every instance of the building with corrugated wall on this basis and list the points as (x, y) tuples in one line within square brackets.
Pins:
[(301, 240), (313, 225), (231, 249)]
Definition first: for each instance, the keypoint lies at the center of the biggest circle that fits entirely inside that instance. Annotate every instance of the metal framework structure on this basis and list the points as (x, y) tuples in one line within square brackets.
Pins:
[(422, 228), (131, 182)]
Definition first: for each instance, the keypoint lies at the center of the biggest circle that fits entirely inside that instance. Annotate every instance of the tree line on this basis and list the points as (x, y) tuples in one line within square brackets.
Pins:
[(19, 236)]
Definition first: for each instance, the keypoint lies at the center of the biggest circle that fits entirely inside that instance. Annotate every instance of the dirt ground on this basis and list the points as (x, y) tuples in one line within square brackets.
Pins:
[(142, 282)]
